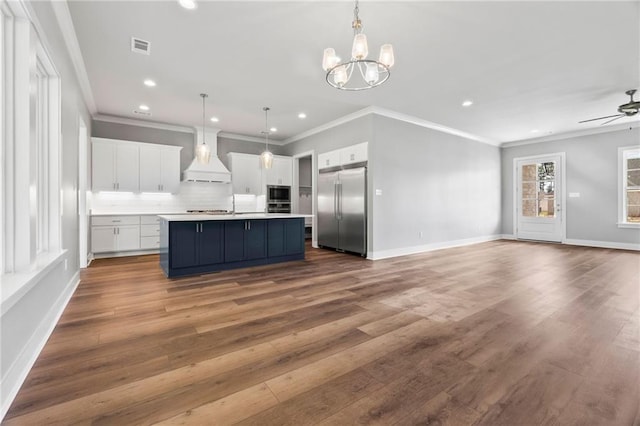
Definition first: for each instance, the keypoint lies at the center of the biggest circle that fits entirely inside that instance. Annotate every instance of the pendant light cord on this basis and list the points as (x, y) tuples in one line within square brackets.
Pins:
[(266, 126), (204, 95)]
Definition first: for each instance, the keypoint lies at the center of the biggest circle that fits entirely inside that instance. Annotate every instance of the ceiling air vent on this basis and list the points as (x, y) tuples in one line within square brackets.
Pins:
[(145, 113), (140, 46)]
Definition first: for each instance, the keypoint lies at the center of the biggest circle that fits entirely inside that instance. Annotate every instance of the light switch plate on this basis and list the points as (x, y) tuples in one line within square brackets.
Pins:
[(574, 195), (378, 191)]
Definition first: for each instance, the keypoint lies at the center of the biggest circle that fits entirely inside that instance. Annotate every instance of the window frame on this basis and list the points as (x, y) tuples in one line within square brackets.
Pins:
[(625, 153)]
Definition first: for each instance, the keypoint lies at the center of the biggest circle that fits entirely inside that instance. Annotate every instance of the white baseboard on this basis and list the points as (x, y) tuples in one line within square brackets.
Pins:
[(385, 254), (18, 371), (125, 253), (508, 237), (603, 244)]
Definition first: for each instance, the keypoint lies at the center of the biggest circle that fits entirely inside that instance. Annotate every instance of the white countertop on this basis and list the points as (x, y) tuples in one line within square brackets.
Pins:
[(238, 216), (132, 213)]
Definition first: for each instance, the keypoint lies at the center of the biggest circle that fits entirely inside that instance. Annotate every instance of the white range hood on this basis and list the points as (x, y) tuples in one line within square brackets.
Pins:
[(214, 171)]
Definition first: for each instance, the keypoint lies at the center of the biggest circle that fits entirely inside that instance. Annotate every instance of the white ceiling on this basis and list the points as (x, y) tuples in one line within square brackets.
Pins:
[(526, 65)]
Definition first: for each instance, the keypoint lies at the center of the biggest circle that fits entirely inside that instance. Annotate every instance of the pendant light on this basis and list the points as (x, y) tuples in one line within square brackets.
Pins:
[(266, 158), (203, 152), (366, 73)]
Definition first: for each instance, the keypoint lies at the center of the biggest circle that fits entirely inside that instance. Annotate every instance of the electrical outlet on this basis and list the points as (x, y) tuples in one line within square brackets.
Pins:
[(66, 264), (420, 234)]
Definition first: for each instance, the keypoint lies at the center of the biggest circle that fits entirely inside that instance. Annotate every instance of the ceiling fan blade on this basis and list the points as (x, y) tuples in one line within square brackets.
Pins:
[(599, 118), (614, 119)]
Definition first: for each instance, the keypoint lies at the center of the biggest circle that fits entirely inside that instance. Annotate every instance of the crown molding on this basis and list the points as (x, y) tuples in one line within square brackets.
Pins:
[(431, 125), (395, 116), (329, 125), (246, 138), (142, 123), (575, 133), (63, 16)]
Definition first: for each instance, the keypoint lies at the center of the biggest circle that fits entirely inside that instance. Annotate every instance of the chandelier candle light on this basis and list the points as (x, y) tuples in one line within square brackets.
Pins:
[(266, 158), (372, 73), (203, 152)]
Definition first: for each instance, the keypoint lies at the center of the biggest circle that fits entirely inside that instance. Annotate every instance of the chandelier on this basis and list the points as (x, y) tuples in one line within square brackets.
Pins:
[(203, 152), (369, 72), (266, 158)]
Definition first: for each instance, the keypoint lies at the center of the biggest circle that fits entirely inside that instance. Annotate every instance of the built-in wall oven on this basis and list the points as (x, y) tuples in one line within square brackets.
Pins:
[(278, 199)]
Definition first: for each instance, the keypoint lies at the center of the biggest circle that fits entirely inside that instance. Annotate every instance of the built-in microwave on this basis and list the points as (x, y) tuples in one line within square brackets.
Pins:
[(278, 194)]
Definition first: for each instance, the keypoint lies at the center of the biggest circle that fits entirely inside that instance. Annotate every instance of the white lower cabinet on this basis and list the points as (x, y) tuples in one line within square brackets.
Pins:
[(115, 233), (149, 232)]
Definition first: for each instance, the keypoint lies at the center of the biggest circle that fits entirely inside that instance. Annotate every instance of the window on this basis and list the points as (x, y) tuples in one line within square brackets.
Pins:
[(538, 189), (629, 186), (29, 112)]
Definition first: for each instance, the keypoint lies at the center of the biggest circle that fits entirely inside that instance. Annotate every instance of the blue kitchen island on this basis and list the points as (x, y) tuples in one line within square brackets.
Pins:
[(196, 244)]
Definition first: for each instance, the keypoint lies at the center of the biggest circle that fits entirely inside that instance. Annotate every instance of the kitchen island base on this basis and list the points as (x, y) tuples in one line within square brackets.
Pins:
[(203, 245)]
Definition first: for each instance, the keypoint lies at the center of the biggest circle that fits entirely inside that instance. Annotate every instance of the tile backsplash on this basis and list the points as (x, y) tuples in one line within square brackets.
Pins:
[(192, 196)]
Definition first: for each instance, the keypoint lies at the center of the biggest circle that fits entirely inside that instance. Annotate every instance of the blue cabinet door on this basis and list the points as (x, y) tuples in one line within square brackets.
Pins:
[(275, 237), (183, 240), (294, 236), (211, 244), (234, 240), (255, 241)]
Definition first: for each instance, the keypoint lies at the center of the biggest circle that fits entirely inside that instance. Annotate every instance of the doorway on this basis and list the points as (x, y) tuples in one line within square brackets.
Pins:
[(303, 193), (539, 198)]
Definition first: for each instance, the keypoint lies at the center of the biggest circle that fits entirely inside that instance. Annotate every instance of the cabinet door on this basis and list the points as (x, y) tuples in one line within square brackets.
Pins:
[(103, 239), (150, 169), (246, 174), (211, 244), (127, 167), (281, 172), (353, 154), (328, 159), (103, 167), (170, 169), (275, 237), (255, 242), (234, 240), (294, 236), (183, 239), (128, 237)]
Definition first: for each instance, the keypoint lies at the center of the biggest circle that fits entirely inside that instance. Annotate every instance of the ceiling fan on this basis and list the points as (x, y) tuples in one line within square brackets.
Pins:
[(625, 110)]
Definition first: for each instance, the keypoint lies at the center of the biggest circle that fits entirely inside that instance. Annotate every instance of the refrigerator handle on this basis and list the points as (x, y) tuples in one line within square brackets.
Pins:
[(335, 199), (340, 201)]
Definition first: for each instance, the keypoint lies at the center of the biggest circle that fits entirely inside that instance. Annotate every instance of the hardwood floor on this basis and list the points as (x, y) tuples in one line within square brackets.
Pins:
[(499, 333)]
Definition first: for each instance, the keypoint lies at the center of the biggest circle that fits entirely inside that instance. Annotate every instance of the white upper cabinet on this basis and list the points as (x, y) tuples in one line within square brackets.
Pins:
[(246, 175), (344, 156), (329, 159), (281, 171), (353, 154), (135, 166), (115, 166), (159, 168)]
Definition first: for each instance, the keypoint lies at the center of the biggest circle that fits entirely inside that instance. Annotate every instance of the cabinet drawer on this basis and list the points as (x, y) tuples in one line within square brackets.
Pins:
[(149, 242), (149, 220), (114, 220), (149, 230)]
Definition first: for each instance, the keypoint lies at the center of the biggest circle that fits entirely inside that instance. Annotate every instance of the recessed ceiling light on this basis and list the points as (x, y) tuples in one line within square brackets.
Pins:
[(467, 103), (302, 115), (149, 83), (144, 107), (273, 129), (188, 4), (535, 131), (215, 119)]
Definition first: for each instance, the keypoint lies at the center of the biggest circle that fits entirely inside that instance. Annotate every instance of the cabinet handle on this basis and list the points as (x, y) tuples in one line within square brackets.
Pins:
[(249, 223), (197, 228), (114, 231), (114, 186)]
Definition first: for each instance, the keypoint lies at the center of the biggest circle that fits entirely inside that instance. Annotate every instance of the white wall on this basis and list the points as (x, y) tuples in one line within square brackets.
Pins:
[(592, 170)]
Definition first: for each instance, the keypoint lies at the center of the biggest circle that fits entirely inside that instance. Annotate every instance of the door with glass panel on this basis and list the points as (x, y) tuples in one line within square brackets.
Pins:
[(539, 202)]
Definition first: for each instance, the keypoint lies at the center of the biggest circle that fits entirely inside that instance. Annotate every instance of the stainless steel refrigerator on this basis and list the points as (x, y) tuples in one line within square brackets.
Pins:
[(342, 210)]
